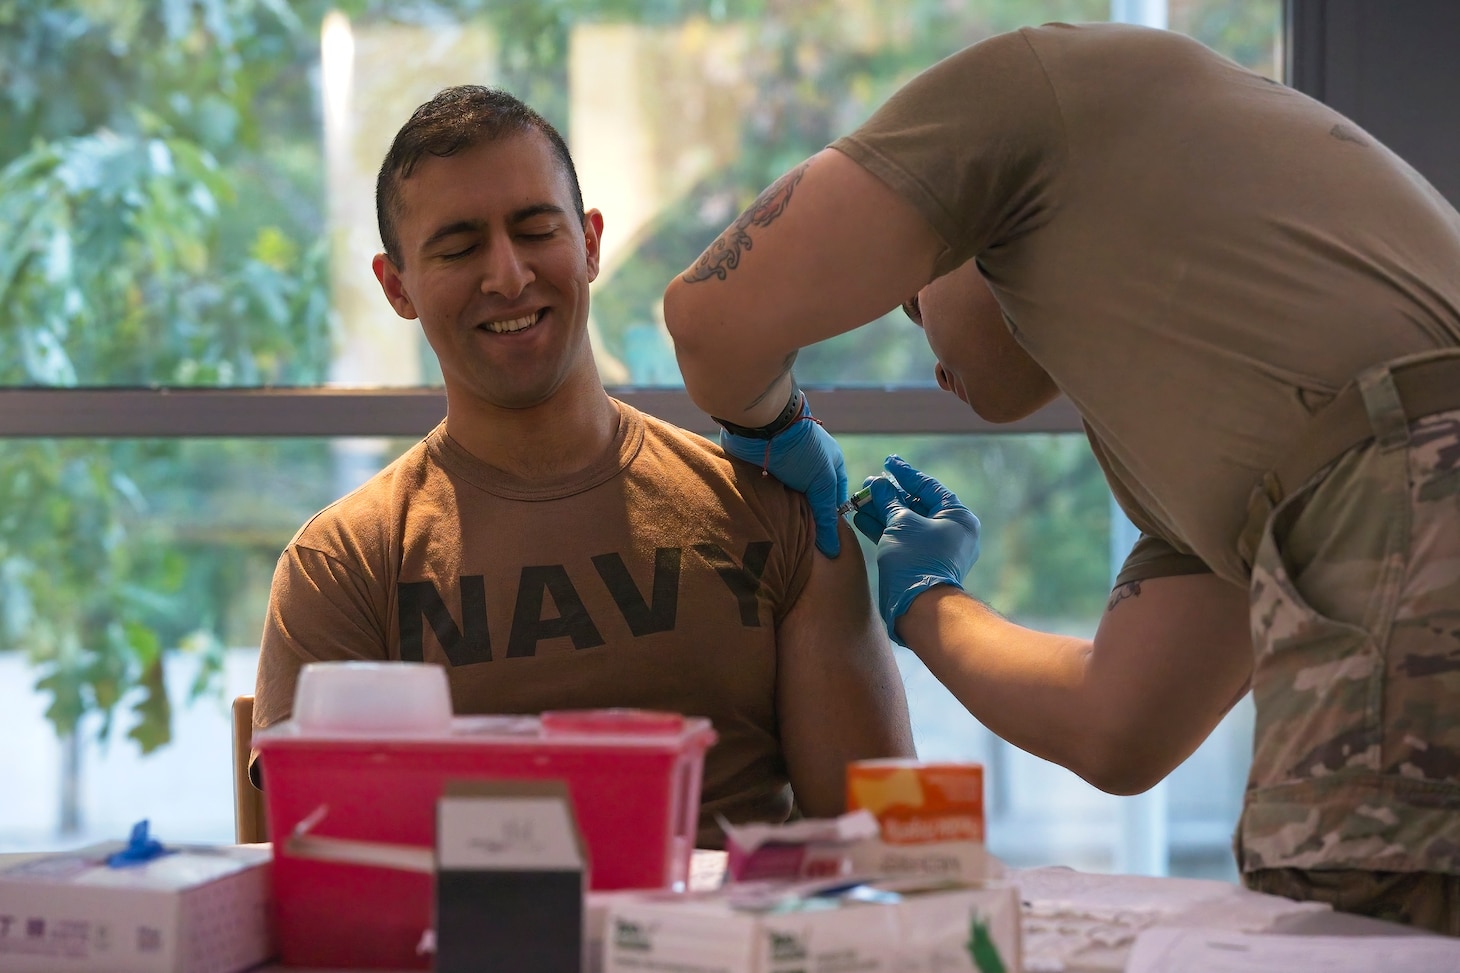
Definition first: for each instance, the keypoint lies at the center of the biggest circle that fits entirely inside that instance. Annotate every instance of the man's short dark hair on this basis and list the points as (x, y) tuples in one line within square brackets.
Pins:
[(458, 118)]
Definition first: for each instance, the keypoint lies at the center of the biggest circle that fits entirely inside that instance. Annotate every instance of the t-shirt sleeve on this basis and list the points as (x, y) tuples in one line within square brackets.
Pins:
[(800, 548), (785, 515), (319, 611), (974, 143), (795, 544), (1152, 557)]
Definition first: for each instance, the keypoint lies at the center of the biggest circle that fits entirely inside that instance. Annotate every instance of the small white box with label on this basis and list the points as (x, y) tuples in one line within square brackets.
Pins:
[(197, 909), (871, 930)]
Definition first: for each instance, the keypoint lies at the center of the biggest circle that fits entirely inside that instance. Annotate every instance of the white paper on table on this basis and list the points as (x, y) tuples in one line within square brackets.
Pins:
[(1171, 950), (1088, 922), (1100, 894)]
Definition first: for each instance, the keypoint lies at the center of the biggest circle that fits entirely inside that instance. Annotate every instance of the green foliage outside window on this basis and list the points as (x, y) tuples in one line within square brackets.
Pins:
[(160, 231)]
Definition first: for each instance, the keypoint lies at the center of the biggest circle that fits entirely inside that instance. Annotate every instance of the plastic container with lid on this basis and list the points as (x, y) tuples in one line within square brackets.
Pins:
[(633, 775)]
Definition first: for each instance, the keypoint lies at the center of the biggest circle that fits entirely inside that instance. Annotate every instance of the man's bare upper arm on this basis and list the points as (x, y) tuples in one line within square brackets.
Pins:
[(839, 694), (825, 249)]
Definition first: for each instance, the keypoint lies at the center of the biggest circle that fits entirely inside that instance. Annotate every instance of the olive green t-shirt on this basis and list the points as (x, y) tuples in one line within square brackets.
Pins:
[(1198, 256), (656, 578)]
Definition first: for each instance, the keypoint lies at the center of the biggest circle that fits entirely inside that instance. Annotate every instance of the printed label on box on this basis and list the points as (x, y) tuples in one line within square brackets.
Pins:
[(508, 832), (961, 930), (919, 802), (510, 882)]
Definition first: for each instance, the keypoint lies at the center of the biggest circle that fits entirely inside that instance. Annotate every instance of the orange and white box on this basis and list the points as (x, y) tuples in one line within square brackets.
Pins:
[(919, 803)]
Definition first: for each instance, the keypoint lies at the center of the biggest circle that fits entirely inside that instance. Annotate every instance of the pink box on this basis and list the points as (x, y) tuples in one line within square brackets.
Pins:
[(634, 777)]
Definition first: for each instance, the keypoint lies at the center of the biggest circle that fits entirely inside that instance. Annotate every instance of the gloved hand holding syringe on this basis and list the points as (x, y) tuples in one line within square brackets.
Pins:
[(925, 536)]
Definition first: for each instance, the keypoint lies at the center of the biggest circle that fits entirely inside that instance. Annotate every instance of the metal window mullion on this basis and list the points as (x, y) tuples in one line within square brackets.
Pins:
[(329, 412)]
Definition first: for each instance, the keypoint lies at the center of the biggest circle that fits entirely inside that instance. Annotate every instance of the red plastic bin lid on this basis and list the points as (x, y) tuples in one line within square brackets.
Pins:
[(614, 722)]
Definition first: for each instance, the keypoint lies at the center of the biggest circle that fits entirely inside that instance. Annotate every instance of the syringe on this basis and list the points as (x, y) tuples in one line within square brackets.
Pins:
[(855, 502)]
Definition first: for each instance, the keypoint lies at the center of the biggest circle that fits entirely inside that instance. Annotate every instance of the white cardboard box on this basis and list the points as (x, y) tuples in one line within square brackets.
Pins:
[(201, 909), (959, 930)]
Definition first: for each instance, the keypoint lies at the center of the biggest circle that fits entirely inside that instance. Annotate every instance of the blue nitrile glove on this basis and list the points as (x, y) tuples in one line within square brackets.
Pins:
[(806, 458), (924, 536)]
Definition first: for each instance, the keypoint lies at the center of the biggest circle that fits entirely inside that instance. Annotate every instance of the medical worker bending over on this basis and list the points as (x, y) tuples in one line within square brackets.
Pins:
[(1255, 307)]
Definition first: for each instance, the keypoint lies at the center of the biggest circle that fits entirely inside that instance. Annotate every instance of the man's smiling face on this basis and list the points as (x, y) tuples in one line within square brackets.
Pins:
[(497, 268)]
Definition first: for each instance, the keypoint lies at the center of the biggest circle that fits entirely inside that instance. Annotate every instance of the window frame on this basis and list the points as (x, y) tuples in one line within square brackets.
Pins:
[(172, 412)]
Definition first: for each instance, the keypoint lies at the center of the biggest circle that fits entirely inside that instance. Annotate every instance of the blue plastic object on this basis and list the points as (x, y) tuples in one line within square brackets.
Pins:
[(141, 847), (806, 458), (925, 537)]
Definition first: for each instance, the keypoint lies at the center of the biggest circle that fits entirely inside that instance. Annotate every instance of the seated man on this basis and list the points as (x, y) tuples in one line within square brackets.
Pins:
[(555, 548)]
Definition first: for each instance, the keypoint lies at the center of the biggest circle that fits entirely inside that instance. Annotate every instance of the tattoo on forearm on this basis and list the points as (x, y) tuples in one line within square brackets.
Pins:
[(1131, 589), (723, 255)]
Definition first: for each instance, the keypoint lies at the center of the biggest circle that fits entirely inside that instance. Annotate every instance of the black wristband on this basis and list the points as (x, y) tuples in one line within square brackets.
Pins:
[(788, 415)]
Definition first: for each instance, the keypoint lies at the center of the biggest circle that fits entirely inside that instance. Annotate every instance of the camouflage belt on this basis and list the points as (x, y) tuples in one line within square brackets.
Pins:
[(1426, 384)]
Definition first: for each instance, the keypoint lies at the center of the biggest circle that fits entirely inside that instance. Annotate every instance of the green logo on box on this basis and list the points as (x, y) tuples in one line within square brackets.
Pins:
[(981, 948)]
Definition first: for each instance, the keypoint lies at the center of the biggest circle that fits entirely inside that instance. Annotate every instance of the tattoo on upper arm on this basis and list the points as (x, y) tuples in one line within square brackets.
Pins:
[(723, 255), (1130, 589)]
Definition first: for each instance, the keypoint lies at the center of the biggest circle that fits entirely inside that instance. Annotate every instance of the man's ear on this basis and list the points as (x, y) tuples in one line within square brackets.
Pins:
[(592, 234), (394, 287)]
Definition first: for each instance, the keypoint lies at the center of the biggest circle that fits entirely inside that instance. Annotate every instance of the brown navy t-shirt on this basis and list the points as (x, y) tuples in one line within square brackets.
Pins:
[(1198, 256), (656, 578)]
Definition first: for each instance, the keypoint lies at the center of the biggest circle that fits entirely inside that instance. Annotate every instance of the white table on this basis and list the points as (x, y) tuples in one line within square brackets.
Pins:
[(1081, 922)]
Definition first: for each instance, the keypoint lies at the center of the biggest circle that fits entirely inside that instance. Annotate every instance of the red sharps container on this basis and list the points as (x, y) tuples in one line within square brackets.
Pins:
[(351, 785)]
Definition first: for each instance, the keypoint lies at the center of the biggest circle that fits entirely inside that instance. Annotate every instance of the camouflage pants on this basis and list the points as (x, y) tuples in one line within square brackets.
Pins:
[(1355, 601), (1424, 899)]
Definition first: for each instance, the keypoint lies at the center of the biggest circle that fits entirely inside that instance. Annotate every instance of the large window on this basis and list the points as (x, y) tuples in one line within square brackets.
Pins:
[(195, 355)]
